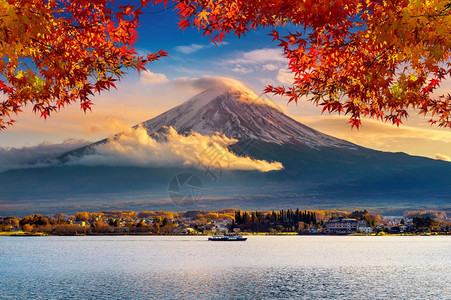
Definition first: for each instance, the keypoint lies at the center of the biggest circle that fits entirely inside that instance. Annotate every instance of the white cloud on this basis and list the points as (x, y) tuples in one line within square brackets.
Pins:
[(29, 156), (270, 67), (196, 47), (203, 83), (442, 157), (241, 69), (260, 60), (153, 78), (259, 57), (285, 76), (190, 85), (190, 48), (135, 147)]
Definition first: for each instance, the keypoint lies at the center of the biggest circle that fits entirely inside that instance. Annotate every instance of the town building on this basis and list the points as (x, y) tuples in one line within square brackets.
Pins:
[(365, 229), (344, 225)]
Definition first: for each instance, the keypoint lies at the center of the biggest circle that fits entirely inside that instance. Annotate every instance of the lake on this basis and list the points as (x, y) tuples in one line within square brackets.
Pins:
[(190, 267)]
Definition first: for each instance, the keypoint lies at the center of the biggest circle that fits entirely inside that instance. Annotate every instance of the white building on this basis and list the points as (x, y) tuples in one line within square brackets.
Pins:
[(365, 229), (344, 225)]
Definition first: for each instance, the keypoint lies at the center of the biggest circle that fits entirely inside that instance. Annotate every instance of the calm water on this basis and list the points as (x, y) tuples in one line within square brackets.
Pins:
[(263, 267)]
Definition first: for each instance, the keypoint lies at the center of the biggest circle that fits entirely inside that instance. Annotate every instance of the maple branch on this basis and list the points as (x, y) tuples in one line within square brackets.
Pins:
[(79, 27), (344, 44), (48, 57), (380, 55), (440, 14), (46, 45)]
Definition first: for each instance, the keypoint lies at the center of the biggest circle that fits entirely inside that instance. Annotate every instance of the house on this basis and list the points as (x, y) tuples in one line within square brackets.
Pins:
[(343, 225), (80, 223), (187, 230), (395, 229), (313, 229), (220, 229), (222, 222), (365, 229)]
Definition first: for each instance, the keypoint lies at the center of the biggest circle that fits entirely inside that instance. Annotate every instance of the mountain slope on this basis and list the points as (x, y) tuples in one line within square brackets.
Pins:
[(240, 115), (319, 170), (237, 114)]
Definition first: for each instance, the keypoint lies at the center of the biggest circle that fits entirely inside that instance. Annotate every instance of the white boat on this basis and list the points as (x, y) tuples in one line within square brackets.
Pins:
[(227, 238)]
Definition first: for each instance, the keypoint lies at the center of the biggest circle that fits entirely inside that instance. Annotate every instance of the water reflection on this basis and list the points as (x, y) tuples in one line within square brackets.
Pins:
[(192, 268)]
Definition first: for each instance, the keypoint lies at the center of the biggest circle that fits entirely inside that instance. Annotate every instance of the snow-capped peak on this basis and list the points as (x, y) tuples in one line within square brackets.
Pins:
[(240, 114)]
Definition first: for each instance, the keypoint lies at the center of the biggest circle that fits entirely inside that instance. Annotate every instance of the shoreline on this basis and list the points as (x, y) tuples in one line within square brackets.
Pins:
[(42, 234)]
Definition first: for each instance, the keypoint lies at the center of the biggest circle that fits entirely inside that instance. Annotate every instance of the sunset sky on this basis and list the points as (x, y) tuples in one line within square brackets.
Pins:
[(254, 60)]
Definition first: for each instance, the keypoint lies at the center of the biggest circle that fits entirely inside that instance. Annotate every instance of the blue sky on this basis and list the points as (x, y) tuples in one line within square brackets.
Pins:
[(254, 60), (192, 54)]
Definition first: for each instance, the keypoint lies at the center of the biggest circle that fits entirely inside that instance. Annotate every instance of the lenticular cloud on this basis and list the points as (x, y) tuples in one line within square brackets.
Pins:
[(135, 147)]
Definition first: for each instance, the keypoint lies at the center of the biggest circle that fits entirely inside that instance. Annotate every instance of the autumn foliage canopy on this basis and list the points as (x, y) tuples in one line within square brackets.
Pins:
[(56, 52), (360, 57), (380, 59)]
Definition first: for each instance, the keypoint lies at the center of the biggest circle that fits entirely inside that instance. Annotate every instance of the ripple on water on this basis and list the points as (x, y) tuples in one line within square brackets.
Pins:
[(262, 268)]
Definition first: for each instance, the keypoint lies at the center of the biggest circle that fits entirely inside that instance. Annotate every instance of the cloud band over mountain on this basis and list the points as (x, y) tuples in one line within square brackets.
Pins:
[(32, 156), (134, 147)]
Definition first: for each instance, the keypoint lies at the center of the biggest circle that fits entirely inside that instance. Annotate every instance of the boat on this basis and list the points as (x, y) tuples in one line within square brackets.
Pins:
[(227, 238)]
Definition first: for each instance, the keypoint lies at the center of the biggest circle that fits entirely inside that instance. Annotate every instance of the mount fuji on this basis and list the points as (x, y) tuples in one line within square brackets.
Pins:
[(319, 171), (238, 114)]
